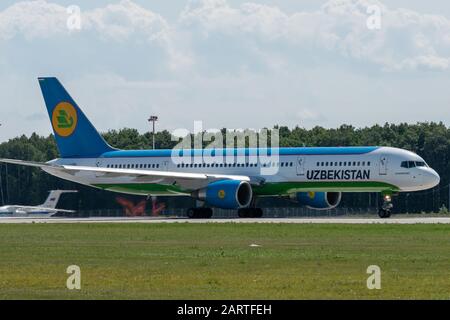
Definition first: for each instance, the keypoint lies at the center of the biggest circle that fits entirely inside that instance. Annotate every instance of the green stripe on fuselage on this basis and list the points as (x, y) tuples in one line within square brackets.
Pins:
[(338, 186), (267, 189)]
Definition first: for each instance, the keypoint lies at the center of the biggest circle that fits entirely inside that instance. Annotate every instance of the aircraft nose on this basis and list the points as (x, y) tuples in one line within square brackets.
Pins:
[(431, 178)]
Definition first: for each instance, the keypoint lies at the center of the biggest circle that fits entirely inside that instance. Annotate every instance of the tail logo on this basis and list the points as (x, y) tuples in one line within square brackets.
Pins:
[(64, 119)]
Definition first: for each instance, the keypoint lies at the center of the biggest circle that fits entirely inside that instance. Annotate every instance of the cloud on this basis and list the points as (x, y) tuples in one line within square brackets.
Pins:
[(42, 19), (407, 39), (227, 64), (126, 19), (123, 23), (32, 19)]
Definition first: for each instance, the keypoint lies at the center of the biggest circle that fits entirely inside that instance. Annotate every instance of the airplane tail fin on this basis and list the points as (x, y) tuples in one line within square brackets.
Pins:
[(75, 135), (53, 198)]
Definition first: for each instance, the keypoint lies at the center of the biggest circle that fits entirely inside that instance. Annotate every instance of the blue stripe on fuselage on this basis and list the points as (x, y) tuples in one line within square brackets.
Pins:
[(241, 151)]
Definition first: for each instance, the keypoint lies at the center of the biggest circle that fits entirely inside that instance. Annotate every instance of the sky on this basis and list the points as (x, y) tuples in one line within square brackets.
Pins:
[(227, 63)]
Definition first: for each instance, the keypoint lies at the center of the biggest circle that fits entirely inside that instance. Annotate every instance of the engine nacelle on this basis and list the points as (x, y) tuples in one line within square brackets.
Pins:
[(319, 200), (226, 194)]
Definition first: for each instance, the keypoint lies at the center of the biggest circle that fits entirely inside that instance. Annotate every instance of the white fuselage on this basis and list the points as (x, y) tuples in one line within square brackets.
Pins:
[(23, 211), (377, 169)]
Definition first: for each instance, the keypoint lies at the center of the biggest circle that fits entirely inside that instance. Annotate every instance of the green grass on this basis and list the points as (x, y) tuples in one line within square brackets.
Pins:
[(215, 261)]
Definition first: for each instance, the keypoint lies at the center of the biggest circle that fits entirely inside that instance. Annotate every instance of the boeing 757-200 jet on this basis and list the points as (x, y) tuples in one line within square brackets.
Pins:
[(314, 177)]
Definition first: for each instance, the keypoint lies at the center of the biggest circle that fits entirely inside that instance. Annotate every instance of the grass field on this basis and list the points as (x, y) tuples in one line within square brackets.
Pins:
[(217, 261)]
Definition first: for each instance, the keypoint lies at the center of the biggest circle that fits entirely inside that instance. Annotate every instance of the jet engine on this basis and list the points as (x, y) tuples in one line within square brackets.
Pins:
[(226, 194), (319, 200)]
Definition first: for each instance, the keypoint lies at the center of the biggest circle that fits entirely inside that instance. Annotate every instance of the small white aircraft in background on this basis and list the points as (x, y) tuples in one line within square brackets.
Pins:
[(47, 209)]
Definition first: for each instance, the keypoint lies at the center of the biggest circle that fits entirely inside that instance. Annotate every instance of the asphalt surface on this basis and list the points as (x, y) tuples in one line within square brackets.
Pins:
[(325, 220)]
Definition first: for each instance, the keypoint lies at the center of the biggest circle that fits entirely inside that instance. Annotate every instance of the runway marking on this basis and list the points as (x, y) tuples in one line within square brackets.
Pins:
[(344, 220)]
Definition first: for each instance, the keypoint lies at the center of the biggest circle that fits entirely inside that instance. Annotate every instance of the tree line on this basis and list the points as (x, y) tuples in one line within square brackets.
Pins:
[(24, 185)]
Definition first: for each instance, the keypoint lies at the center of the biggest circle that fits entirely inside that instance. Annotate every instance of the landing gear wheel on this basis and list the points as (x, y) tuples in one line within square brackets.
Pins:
[(257, 213), (250, 213), (383, 214), (199, 213), (191, 213)]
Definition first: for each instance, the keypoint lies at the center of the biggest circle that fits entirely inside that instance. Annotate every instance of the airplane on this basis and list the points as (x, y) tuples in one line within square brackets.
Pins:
[(314, 177), (47, 209)]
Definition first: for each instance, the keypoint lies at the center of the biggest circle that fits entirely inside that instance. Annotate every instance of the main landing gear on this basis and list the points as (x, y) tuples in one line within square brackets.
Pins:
[(199, 213), (385, 210), (250, 213)]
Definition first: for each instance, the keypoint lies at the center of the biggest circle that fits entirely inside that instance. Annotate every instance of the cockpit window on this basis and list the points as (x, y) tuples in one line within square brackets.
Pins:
[(413, 164)]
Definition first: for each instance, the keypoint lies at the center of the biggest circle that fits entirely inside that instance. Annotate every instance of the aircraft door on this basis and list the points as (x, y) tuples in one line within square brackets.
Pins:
[(99, 164), (301, 166), (383, 165)]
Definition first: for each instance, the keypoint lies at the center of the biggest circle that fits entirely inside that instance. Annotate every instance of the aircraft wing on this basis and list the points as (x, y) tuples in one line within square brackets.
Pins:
[(28, 209), (185, 180)]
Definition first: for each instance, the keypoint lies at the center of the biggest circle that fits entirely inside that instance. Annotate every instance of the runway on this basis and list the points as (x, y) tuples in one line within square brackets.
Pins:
[(325, 220)]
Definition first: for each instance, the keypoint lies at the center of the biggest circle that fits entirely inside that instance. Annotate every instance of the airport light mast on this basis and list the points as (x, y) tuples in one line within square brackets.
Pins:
[(153, 119)]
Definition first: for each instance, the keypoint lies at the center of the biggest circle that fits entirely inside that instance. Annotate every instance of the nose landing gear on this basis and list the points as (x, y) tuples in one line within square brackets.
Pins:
[(385, 210)]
